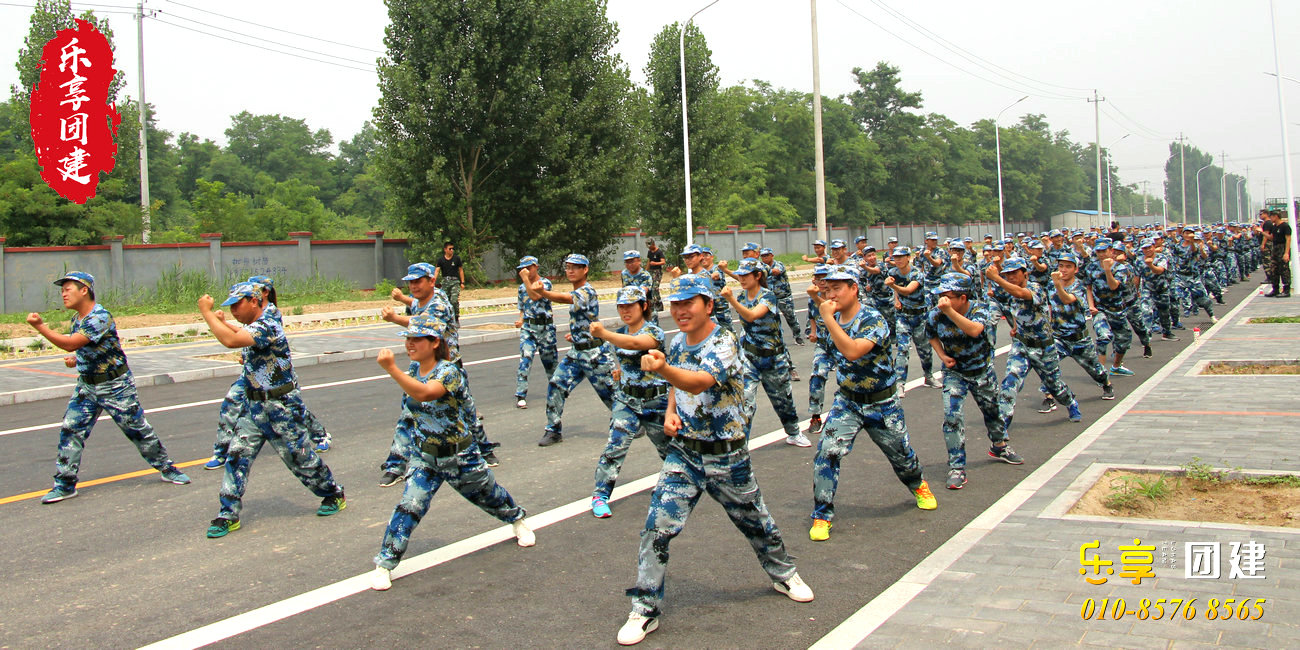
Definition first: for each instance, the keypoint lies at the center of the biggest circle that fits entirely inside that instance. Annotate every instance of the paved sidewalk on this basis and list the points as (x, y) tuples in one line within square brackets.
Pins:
[(1012, 577)]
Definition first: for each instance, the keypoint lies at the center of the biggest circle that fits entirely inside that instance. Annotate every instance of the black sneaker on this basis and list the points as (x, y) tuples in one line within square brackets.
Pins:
[(1169, 337), (1108, 392), (1146, 351), (549, 438), (1048, 406), (491, 459), (389, 479), (1006, 454), (956, 479)]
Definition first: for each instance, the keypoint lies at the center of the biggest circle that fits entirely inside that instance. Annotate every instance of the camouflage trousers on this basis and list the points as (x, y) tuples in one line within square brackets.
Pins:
[(535, 340), (118, 398), (279, 422), (983, 387), (722, 315), (821, 370), (1197, 296), (653, 297), (1116, 328), (235, 405), (1045, 362), (1162, 310), (595, 366), (1279, 271), (476, 426), (1232, 269), (686, 475), (1084, 353), (631, 418), (1182, 298), (911, 331), (774, 374), (466, 473), (452, 287), (1146, 309), (785, 305), (887, 428), (1210, 278)]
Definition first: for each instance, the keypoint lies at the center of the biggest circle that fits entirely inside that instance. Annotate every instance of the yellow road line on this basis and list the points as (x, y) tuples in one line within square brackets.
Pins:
[(99, 481)]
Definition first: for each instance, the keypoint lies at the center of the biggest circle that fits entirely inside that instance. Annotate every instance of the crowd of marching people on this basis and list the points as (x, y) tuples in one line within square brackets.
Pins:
[(694, 395)]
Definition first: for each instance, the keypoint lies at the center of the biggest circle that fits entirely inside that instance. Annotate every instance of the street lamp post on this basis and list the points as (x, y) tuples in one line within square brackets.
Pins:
[(1109, 207), (1198, 191), (1294, 253), (1236, 214), (686, 138), (997, 144)]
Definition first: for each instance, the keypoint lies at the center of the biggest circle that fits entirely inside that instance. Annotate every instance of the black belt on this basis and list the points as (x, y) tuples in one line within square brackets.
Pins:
[(763, 352), (1034, 343), (910, 311), (545, 320), (589, 345), (275, 393), (863, 397), (645, 392), (712, 446), (1074, 338), (101, 377), (438, 450)]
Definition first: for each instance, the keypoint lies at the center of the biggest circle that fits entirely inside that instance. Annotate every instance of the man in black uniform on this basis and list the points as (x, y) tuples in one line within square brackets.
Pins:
[(450, 276), (1277, 237)]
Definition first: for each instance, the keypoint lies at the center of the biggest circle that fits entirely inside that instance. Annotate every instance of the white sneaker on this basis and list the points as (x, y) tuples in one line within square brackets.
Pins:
[(795, 588), (1214, 319), (521, 404), (381, 579), (523, 533), (798, 440), (635, 629), (934, 381)]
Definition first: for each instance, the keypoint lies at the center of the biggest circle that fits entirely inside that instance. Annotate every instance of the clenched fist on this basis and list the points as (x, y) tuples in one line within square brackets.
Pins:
[(653, 361)]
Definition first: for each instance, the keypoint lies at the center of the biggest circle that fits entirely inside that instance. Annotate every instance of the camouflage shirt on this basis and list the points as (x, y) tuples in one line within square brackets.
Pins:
[(442, 420), (718, 412), (267, 363), (765, 331), (973, 353), (630, 360), (438, 307), (873, 371), (1105, 297), (932, 272), (582, 313), (641, 279), (1030, 316), (1069, 320), (1156, 282), (779, 284), (916, 300), (104, 351), (535, 308)]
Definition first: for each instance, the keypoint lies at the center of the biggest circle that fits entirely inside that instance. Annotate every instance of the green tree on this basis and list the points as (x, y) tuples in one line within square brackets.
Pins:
[(715, 135), (912, 159)]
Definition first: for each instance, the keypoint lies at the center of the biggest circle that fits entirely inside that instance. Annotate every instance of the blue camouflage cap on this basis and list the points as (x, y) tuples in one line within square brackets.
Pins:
[(819, 242), (1014, 263), (706, 250), (837, 243), (931, 235), (954, 282), (1102, 245), (747, 266), (956, 244), (422, 325), (988, 236), (766, 251), (78, 276), (630, 295), (749, 246), (417, 271), (692, 249), (868, 249), (631, 255), (859, 238), (1055, 233), (967, 240), (843, 273), (264, 281), (688, 286), (821, 269), (1148, 243), (241, 290), (1068, 256), (526, 261), (901, 251), (892, 240), (1036, 244), (577, 258)]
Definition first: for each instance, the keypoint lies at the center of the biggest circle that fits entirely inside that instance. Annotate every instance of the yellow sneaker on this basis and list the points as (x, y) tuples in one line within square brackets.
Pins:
[(925, 498), (821, 530)]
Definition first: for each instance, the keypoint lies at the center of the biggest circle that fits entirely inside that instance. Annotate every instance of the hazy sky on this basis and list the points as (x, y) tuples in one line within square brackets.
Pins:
[(1190, 66)]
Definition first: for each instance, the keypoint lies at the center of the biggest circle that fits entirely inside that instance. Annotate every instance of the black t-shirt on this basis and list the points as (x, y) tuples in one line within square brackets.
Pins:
[(1281, 231), (1116, 236), (448, 268), (656, 255)]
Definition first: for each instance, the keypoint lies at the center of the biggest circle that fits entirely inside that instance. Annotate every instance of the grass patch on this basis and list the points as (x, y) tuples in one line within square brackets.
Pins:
[(1275, 319), (1238, 368), (1127, 490), (1197, 492)]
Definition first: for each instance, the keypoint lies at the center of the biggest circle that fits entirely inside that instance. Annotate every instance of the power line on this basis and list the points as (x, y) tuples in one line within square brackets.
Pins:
[(1139, 125), (967, 54), (266, 40), (947, 62), (276, 29), (261, 47), (1132, 131)]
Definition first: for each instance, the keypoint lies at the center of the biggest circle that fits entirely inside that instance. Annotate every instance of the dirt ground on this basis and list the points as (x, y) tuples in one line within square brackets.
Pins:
[(1252, 369), (1228, 501)]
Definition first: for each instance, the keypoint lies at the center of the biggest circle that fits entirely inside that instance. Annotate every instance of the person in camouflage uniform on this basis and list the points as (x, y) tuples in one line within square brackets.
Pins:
[(779, 283), (657, 265), (426, 298), (910, 303), (873, 291), (1038, 264), (633, 274), (436, 415), (717, 273), (1156, 272), (1108, 302), (933, 263), (957, 330), (866, 399), (275, 409), (821, 360), (764, 348), (536, 326), (1033, 345), (586, 358), (707, 453), (1070, 326), (1190, 257), (641, 398), (104, 384)]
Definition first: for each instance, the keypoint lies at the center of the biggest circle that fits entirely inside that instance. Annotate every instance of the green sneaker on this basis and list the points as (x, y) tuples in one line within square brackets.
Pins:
[(331, 505), (221, 527)]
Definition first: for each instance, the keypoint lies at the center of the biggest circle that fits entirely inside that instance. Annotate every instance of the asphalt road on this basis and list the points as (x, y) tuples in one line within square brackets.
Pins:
[(126, 563)]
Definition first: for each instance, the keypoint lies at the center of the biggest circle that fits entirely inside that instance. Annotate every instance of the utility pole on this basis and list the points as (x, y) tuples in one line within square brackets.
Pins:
[(1096, 117), (1223, 188), (144, 129), (1294, 253), (1182, 174), (1146, 206), (819, 164)]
